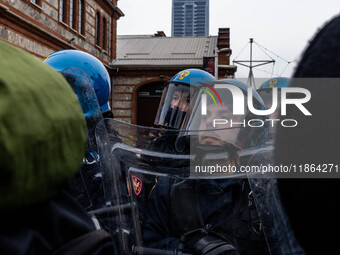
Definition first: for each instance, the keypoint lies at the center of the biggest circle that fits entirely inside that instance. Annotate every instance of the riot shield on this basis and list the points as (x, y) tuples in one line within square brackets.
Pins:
[(125, 151), (86, 186), (266, 197), (160, 203)]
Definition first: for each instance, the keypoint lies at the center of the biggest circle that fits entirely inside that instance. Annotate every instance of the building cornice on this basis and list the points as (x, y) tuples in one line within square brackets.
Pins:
[(110, 7), (227, 67), (29, 29)]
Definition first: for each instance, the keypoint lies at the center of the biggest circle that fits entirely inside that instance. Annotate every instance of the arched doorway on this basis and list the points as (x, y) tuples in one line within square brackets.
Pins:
[(148, 98)]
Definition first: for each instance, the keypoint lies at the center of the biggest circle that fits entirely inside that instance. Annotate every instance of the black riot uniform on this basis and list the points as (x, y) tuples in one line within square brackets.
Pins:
[(211, 207)]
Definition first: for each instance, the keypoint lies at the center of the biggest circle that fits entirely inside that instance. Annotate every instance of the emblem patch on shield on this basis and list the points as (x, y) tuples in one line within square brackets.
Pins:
[(137, 184)]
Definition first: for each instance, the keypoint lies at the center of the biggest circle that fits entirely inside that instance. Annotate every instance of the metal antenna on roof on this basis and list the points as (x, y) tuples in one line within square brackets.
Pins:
[(251, 79)]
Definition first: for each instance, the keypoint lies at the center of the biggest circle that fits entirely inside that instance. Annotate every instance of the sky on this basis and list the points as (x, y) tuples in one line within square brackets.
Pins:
[(281, 29)]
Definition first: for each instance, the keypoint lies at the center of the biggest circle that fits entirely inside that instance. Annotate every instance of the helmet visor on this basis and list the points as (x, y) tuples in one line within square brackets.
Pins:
[(213, 116), (82, 86), (220, 113), (174, 105)]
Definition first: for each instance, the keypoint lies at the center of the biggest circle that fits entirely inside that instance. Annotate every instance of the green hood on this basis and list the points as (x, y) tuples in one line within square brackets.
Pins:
[(42, 129)]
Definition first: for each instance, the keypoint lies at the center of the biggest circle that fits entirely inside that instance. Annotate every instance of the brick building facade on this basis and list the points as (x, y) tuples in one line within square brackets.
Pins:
[(138, 73), (44, 26), (145, 62)]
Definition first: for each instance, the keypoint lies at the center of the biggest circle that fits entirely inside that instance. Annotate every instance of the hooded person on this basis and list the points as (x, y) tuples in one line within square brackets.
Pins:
[(42, 139), (311, 203)]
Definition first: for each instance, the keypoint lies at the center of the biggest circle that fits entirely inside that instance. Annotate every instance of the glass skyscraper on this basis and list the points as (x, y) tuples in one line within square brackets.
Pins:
[(190, 18)]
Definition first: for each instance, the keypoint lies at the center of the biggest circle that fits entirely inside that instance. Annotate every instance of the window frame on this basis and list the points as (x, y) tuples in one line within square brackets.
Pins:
[(63, 13), (81, 17), (73, 13), (98, 29), (104, 33), (36, 2)]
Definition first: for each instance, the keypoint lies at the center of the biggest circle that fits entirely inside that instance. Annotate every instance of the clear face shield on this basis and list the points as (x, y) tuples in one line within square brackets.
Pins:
[(221, 115), (86, 186), (182, 192), (267, 96), (173, 105)]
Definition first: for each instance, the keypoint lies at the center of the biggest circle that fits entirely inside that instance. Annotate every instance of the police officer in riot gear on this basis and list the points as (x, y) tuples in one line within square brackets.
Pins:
[(91, 82), (191, 208), (174, 105), (207, 216), (266, 93)]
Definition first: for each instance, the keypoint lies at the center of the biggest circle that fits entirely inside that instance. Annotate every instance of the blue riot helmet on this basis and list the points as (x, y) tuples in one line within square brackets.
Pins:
[(266, 88), (82, 86), (177, 94), (277, 82), (222, 116), (85, 186), (252, 136), (266, 92), (90, 65)]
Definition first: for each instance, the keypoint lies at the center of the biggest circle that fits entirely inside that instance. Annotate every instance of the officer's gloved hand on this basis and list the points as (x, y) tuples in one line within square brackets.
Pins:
[(202, 242)]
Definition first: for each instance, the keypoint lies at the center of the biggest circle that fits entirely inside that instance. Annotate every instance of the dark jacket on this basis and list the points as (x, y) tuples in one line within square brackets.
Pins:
[(44, 227), (172, 212)]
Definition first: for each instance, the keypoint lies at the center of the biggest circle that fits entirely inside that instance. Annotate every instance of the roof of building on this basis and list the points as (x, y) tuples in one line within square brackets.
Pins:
[(151, 50)]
